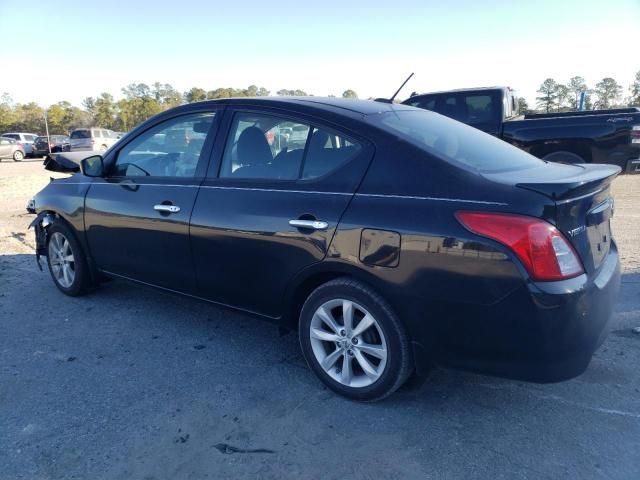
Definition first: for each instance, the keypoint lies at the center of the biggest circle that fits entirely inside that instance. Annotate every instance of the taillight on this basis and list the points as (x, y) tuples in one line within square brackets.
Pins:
[(635, 134), (544, 251)]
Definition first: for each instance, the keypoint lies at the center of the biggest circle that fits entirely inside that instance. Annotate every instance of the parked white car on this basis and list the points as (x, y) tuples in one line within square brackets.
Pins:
[(92, 139)]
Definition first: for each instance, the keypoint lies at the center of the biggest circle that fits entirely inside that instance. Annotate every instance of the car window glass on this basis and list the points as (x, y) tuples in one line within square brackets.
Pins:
[(80, 134), (13, 135), (427, 103), (170, 149), (455, 142), (265, 147), (326, 152)]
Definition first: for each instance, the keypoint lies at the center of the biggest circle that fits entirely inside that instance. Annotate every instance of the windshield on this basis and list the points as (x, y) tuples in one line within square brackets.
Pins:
[(454, 141), (81, 134)]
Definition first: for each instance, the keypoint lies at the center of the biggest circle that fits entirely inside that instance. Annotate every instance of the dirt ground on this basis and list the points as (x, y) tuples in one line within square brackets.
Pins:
[(129, 382)]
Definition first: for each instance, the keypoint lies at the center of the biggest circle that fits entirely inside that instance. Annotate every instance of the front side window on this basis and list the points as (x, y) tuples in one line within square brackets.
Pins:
[(275, 148), (170, 149)]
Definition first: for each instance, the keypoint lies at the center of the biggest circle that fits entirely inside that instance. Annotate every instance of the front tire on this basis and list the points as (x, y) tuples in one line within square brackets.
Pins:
[(18, 156), (66, 260), (353, 341)]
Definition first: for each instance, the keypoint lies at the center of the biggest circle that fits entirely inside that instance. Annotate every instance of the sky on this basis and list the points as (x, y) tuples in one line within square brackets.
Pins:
[(68, 50)]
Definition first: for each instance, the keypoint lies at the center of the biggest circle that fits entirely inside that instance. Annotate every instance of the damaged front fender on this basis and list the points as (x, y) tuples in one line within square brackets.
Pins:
[(41, 224)]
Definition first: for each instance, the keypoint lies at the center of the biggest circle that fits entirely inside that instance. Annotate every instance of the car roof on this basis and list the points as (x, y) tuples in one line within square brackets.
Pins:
[(461, 90), (348, 106)]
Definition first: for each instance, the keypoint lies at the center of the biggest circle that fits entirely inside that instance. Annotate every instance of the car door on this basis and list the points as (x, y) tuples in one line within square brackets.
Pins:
[(137, 216), (5, 148), (270, 205)]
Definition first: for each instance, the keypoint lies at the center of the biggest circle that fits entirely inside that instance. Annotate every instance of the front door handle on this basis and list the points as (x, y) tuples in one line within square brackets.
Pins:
[(166, 208), (310, 224)]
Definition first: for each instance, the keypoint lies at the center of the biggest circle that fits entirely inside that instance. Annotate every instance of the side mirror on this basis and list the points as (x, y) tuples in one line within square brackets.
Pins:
[(92, 166)]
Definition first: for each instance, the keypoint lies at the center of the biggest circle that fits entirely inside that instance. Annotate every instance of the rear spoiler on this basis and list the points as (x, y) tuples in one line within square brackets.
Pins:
[(593, 177)]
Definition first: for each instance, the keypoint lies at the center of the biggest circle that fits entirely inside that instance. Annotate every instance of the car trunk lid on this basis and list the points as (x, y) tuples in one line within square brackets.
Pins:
[(583, 203)]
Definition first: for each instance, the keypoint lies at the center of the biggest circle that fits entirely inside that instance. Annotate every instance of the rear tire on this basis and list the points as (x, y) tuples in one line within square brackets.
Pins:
[(365, 359), (66, 260), (18, 156)]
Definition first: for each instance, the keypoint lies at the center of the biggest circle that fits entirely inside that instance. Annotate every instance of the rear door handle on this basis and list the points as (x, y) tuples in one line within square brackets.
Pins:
[(310, 224), (166, 208)]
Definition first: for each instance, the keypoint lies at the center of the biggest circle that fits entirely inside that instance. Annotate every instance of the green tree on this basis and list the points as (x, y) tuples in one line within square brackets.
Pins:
[(30, 117), (577, 85), (166, 95), (564, 94), (635, 91), (8, 115), (195, 95), (141, 103), (288, 93), (523, 106), (608, 92), (548, 95), (349, 94), (105, 111)]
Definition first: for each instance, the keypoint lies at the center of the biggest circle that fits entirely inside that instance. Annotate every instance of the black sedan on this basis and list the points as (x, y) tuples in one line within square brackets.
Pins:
[(392, 238), (55, 143)]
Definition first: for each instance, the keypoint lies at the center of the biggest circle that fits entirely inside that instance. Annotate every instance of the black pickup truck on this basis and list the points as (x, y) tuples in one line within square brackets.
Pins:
[(594, 136)]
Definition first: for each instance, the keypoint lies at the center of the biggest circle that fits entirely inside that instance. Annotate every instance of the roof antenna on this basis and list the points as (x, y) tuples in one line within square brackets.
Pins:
[(390, 100)]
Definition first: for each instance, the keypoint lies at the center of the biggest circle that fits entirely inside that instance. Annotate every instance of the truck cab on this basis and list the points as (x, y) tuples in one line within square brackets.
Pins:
[(594, 136), (483, 108)]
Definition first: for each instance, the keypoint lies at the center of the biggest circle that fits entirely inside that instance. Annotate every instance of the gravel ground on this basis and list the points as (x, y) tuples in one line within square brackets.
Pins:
[(133, 383)]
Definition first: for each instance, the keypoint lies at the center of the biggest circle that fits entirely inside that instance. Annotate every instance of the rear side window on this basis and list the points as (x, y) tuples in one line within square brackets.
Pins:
[(80, 134), (275, 148), (455, 142), (15, 136)]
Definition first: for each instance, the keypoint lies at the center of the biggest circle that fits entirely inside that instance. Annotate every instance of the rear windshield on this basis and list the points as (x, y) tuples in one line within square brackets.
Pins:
[(80, 134), (481, 109), (454, 141)]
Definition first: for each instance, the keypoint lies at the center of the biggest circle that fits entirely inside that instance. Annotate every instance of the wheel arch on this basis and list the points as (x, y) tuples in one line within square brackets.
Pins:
[(48, 216), (310, 279), (572, 149)]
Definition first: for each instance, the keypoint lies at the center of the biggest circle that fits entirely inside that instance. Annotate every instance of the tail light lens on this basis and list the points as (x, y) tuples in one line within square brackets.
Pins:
[(544, 251), (635, 134)]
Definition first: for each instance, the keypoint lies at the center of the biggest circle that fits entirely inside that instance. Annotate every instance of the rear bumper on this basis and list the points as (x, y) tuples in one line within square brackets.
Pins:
[(542, 332)]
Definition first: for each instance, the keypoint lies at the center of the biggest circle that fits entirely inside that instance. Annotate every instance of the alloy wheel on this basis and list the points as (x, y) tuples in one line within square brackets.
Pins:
[(348, 343), (62, 260)]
